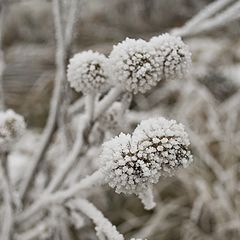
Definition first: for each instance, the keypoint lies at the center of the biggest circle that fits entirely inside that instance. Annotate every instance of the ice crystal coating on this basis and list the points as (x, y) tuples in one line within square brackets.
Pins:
[(157, 147), (12, 126), (173, 55), (87, 72), (147, 199), (134, 65)]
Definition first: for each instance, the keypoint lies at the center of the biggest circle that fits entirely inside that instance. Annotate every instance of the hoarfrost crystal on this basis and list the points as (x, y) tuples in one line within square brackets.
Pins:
[(12, 126), (173, 55), (134, 65), (157, 147), (86, 72)]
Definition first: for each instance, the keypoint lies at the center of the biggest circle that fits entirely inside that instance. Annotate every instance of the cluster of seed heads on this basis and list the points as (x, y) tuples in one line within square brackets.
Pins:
[(12, 126), (135, 65), (157, 147)]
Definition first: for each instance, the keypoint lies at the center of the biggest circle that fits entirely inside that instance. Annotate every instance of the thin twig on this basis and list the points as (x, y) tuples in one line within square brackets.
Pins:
[(76, 107), (232, 13), (34, 232), (62, 172), (59, 197), (3, 8), (71, 159), (7, 224), (203, 15), (55, 101), (64, 117), (98, 218)]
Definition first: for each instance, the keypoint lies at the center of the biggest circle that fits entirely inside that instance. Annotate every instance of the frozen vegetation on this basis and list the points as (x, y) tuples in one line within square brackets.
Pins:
[(141, 140)]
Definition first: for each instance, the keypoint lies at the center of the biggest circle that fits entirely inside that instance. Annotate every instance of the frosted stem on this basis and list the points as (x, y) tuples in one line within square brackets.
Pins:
[(59, 197), (230, 14), (107, 101), (69, 162), (72, 157), (34, 232), (2, 62), (98, 218), (89, 103), (76, 107), (54, 105), (147, 199), (7, 223), (204, 14)]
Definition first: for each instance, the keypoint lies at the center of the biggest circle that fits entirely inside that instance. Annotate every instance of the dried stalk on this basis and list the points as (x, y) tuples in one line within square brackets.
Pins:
[(59, 197), (3, 8), (203, 15), (98, 218), (61, 54), (7, 224)]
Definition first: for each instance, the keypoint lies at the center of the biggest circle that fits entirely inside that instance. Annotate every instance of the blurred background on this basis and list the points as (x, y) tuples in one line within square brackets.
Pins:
[(201, 203)]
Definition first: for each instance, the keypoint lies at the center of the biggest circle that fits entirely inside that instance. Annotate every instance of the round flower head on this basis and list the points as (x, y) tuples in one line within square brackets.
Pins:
[(157, 147), (133, 65), (162, 141), (86, 72), (12, 127), (173, 55)]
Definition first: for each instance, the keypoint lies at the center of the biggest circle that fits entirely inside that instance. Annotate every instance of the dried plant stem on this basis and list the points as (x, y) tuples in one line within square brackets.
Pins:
[(147, 199), (76, 107), (3, 7), (59, 197), (230, 14), (77, 147), (107, 101), (34, 232), (89, 106), (68, 34), (203, 15), (71, 159), (98, 218), (7, 224), (209, 11), (55, 101), (71, 22)]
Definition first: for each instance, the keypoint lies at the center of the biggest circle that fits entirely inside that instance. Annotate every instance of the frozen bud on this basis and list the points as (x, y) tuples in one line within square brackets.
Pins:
[(86, 72), (173, 55), (157, 147), (134, 65), (12, 127)]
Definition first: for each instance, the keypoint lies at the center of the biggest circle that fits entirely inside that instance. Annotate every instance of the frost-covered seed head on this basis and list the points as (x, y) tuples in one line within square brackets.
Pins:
[(157, 147), (12, 127), (134, 65), (86, 72), (173, 55)]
